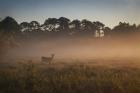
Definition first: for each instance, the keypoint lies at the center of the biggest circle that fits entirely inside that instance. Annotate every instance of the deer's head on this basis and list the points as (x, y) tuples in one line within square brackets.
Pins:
[(52, 55)]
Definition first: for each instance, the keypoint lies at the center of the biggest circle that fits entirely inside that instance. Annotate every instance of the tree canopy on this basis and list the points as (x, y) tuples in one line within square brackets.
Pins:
[(53, 27)]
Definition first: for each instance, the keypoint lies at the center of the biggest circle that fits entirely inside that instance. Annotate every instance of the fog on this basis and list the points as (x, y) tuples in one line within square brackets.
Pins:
[(80, 48)]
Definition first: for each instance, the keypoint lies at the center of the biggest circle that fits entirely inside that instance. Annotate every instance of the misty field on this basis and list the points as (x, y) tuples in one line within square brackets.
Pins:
[(69, 46), (73, 76)]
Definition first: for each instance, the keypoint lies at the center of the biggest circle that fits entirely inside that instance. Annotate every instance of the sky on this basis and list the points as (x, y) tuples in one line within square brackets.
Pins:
[(110, 12)]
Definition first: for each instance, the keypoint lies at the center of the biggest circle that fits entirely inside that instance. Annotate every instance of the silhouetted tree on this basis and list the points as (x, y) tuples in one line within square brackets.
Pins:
[(50, 24), (99, 24), (99, 27), (34, 25), (88, 27), (63, 23), (133, 28), (124, 28), (75, 27), (9, 26), (107, 31), (138, 28), (76, 24), (25, 26)]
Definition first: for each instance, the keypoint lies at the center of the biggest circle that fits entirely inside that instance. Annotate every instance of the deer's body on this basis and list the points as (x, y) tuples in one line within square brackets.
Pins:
[(47, 59)]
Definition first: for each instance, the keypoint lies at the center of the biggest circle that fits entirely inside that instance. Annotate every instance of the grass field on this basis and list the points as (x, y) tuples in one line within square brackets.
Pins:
[(73, 76)]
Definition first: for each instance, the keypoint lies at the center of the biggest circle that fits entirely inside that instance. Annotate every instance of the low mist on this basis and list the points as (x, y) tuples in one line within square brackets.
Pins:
[(80, 48)]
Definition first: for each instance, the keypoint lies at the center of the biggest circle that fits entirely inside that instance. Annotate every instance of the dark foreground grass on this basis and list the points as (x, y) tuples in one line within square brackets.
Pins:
[(32, 78)]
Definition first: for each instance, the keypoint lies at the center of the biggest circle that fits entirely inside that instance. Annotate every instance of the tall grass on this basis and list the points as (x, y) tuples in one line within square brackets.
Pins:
[(32, 78)]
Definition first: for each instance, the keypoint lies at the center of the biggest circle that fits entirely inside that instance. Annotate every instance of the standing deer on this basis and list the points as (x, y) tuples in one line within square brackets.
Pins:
[(47, 59)]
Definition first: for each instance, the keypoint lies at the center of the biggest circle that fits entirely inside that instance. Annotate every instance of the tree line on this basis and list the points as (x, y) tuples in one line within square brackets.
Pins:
[(53, 27)]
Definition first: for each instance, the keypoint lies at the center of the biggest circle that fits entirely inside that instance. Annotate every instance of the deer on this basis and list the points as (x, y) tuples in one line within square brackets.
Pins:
[(47, 59)]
